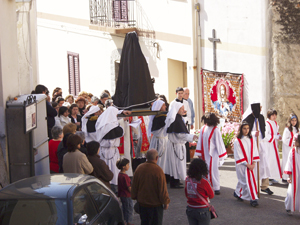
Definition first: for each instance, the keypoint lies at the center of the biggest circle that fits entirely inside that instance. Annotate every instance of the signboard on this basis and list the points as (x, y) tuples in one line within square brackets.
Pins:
[(30, 117)]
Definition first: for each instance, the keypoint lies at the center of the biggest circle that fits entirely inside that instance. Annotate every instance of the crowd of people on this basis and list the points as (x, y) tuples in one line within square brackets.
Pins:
[(87, 136)]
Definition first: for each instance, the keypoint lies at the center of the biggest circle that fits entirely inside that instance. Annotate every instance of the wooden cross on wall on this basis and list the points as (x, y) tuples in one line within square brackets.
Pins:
[(214, 40)]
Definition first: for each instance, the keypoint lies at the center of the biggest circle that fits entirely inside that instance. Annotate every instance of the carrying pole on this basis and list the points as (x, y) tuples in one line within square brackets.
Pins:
[(258, 180)]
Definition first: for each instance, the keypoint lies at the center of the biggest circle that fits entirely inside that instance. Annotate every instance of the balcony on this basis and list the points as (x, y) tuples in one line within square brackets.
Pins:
[(113, 16)]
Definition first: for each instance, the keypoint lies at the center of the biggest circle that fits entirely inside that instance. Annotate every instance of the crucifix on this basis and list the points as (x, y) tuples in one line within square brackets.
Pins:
[(214, 40)]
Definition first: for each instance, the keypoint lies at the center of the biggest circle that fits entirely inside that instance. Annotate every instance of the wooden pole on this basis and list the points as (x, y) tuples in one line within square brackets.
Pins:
[(258, 180)]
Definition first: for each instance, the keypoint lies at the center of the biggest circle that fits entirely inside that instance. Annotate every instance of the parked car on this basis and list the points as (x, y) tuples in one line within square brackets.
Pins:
[(59, 199)]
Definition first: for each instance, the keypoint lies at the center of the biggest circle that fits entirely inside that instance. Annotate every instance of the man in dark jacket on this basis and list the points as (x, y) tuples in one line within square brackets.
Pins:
[(149, 188)]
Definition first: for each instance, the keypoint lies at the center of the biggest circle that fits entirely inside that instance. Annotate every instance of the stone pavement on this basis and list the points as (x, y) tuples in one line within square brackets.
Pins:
[(271, 209)]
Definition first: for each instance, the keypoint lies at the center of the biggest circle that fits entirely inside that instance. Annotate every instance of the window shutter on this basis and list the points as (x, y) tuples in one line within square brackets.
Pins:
[(74, 73), (120, 10)]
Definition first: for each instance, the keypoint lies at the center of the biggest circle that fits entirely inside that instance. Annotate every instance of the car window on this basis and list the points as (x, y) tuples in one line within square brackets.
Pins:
[(99, 194), (34, 211), (83, 207)]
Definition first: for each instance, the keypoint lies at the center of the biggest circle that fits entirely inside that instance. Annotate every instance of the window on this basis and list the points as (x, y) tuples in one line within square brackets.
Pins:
[(74, 73), (83, 207), (99, 194), (33, 211)]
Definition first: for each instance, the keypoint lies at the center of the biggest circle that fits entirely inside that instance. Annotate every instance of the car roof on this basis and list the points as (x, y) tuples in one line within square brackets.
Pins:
[(44, 186)]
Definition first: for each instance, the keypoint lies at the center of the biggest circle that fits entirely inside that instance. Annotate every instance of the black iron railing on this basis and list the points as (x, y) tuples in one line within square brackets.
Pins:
[(113, 13)]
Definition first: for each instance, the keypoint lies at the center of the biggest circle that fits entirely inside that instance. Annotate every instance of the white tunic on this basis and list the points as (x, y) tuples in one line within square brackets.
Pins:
[(212, 151), (292, 200), (264, 171), (246, 187), (287, 145), (127, 145), (159, 142), (271, 138), (176, 158), (110, 154)]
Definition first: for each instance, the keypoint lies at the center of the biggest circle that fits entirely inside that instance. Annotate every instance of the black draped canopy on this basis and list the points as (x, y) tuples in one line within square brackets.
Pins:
[(134, 88)]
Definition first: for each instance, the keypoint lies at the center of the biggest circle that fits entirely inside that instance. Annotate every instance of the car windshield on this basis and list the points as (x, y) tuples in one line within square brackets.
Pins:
[(33, 211)]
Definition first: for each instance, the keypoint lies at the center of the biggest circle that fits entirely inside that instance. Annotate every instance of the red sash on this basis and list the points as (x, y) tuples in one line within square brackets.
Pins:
[(145, 141), (291, 140), (121, 147)]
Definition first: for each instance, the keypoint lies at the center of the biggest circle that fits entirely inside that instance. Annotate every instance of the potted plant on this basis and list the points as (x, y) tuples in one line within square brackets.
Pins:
[(229, 132), (193, 145)]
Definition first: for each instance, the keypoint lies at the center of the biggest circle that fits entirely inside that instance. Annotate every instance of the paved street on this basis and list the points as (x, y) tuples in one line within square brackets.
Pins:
[(270, 210)]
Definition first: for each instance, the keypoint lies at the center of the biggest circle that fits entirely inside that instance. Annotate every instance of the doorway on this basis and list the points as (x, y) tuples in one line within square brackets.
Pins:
[(177, 77)]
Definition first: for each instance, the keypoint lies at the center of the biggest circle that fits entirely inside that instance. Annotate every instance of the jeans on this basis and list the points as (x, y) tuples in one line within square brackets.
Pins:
[(127, 207), (198, 216), (151, 215)]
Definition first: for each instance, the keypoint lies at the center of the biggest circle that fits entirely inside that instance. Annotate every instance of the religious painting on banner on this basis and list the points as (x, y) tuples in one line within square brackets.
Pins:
[(223, 94)]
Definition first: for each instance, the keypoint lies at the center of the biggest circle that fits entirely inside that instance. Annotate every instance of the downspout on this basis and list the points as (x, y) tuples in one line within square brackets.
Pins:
[(197, 65)]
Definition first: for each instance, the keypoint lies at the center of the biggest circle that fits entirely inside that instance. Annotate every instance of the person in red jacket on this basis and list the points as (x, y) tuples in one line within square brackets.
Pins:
[(197, 211), (57, 135)]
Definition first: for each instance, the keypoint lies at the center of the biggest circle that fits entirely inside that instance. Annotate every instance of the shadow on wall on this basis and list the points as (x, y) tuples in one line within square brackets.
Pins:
[(245, 94), (151, 49)]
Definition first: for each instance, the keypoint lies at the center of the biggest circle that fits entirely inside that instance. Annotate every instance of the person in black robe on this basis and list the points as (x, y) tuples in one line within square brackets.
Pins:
[(253, 116), (134, 88)]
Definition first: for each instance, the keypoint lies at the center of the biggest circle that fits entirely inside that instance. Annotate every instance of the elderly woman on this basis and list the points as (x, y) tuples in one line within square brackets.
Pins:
[(69, 99), (74, 160), (95, 100), (81, 102), (57, 136), (62, 119), (83, 144), (74, 115)]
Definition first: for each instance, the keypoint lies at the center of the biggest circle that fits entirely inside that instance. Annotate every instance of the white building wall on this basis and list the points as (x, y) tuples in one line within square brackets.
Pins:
[(66, 28), (241, 26)]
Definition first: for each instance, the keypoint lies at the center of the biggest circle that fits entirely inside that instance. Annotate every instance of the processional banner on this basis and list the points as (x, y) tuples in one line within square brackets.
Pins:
[(223, 94)]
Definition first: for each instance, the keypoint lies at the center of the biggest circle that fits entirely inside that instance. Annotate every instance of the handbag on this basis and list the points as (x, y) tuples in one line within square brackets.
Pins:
[(136, 208), (213, 213)]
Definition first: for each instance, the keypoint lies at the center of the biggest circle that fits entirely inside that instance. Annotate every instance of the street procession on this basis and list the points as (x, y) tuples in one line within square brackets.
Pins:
[(120, 112)]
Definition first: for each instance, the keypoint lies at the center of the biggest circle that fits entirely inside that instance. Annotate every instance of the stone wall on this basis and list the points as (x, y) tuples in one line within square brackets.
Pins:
[(284, 58)]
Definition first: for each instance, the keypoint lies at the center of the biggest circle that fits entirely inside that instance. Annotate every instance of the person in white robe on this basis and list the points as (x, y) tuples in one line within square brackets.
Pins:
[(246, 156), (292, 169), (187, 116), (292, 127), (89, 123), (272, 137), (124, 123), (156, 128), (211, 149), (257, 125), (177, 136), (109, 133)]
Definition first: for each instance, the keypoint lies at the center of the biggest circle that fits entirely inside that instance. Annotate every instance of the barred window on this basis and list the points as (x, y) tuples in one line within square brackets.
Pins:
[(74, 73)]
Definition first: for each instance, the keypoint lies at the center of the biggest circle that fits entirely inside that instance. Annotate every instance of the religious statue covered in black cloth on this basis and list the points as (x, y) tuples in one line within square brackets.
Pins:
[(134, 88)]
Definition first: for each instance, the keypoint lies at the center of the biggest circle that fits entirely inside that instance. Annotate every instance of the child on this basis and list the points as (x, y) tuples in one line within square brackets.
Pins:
[(124, 189), (271, 138), (246, 156), (211, 148), (292, 127), (292, 168), (197, 211)]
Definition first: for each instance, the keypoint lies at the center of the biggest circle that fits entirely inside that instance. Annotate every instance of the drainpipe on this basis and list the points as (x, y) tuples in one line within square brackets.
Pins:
[(197, 65)]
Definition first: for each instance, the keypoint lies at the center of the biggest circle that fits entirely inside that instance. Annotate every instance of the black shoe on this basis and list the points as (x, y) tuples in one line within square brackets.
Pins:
[(289, 212), (284, 181), (180, 183), (267, 191), (236, 196), (253, 203), (176, 186), (217, 192)]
